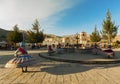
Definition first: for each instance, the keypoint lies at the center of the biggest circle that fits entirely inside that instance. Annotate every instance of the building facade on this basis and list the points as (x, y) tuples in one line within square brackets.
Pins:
[(82, 38)]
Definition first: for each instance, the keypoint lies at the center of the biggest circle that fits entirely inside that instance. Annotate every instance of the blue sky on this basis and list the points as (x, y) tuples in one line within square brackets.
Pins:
[(59, 17)]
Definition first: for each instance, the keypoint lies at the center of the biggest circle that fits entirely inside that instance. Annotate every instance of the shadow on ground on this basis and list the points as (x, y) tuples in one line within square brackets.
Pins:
[(68, 68)]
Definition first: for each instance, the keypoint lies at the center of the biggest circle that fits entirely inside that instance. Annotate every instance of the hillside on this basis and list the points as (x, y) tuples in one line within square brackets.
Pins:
[(3, 34)]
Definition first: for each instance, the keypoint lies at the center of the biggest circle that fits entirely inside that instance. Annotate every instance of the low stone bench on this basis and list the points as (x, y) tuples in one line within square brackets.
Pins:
[(71, 50), (68, 50), (82, 51), (50, 53)]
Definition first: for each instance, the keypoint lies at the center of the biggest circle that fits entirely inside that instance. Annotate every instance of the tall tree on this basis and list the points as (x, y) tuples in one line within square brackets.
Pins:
[(15, 36), (36, 35), (109, 30), (95, 36)]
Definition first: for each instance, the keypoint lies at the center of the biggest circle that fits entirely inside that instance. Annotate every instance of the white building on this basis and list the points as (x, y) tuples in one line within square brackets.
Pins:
[(82, 39)]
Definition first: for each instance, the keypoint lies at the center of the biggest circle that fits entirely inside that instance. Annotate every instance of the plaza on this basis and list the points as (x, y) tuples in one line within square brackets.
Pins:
[(48, 71)]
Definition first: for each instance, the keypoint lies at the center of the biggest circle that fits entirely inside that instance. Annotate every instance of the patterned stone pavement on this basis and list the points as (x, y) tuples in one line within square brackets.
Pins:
[(52, 72)]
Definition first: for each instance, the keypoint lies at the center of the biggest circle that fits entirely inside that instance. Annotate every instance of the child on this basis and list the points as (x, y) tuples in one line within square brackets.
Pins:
[(21, 60)]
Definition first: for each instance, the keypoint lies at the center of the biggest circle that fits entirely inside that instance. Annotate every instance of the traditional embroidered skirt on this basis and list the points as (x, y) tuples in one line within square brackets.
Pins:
[(109, 52), (20, 61)]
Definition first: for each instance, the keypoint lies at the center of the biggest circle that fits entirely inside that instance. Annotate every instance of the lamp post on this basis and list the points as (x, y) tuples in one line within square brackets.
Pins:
[(23, 36), (22, 44), (77, 37)]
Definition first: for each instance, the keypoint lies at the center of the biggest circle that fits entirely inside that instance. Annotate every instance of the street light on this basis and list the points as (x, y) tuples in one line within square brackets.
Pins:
[(22, 43), (23, 36)]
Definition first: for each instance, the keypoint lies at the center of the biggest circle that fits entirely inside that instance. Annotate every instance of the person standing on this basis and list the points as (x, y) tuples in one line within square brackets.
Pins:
[(21, 60)]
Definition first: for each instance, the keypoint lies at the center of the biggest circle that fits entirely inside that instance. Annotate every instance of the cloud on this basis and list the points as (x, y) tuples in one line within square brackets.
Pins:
[(24, 12)]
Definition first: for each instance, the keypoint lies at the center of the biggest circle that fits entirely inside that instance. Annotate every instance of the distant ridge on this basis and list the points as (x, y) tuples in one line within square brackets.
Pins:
[(1, 29), (3, 32)]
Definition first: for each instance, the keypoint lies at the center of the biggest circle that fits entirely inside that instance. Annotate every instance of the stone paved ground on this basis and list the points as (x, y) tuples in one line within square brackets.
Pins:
[(53, 72)]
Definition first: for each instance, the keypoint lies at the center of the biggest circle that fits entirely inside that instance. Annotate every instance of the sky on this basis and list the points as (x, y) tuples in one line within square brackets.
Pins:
[(59, 17)]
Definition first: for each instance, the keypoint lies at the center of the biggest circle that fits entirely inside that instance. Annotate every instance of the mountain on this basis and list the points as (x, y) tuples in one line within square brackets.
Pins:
[(51, 36), (3, 34)]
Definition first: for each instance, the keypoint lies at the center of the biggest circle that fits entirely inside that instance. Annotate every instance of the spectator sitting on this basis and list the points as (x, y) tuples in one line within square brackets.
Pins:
[(59, 50), (50, 50), (95, 49), (109, 52)]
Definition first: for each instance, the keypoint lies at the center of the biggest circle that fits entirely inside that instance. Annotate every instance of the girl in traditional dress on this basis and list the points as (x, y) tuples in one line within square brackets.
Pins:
[(21, 60)]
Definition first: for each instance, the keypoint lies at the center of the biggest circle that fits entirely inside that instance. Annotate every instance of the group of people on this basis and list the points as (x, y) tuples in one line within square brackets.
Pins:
[(108, 52), (21, 59), (96, 50)]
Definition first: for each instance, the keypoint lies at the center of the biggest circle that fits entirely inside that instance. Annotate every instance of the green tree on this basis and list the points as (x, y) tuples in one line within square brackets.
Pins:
[(35, 35), (109, 30), (95, 36), (15, 36), (116, 44)]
